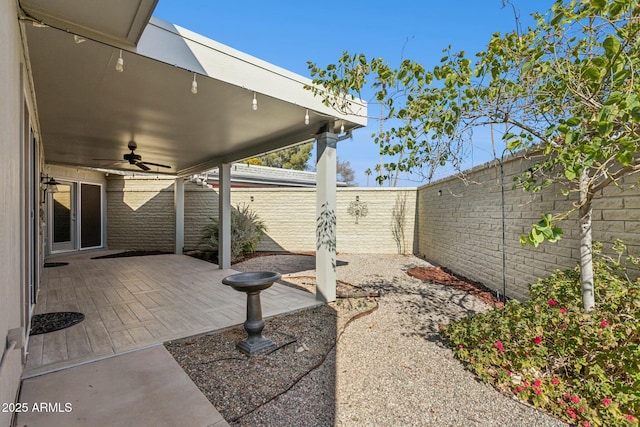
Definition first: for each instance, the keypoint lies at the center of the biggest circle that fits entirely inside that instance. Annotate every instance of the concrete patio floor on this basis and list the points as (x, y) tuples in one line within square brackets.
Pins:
[(141, 388), (135, 302), (113, 359)]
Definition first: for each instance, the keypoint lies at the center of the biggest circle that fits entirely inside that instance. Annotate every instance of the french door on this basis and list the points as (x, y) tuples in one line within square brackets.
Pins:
[(75, 216)]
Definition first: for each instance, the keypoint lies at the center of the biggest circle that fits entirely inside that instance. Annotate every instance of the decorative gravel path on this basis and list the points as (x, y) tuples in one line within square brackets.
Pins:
[(390, 368)]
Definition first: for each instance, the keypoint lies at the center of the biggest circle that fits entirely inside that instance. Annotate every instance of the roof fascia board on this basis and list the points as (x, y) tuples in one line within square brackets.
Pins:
[(185, 49)]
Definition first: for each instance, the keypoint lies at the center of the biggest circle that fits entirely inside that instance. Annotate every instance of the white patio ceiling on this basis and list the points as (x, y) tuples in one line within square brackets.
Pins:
[(87, 110)]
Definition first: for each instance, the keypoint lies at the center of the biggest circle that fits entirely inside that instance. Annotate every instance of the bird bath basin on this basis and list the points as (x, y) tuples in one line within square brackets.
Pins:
[(252, 283)]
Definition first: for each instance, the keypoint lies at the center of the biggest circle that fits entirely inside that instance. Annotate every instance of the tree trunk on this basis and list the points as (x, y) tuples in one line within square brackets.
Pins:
[(586, 253)]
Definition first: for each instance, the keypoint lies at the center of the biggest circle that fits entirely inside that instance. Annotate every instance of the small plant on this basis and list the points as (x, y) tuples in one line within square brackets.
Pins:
[(247, 230), (581, 367)]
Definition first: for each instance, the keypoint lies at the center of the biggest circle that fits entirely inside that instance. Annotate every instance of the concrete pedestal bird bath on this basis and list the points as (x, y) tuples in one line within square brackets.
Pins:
[(252, 283)]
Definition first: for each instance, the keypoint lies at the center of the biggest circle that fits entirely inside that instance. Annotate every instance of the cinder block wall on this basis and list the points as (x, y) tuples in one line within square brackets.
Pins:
[(141, 216), (140, 213), (459, 225), (290, 216)]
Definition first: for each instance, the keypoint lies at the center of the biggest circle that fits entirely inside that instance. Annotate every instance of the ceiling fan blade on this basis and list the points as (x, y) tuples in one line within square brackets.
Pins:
[(156, 164), (142, 166)]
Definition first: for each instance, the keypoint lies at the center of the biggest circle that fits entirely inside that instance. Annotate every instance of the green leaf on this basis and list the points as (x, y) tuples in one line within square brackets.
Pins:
[(570, 173), (514, 144), (574, 121), (611, 45), (625, 158), (592, 73)]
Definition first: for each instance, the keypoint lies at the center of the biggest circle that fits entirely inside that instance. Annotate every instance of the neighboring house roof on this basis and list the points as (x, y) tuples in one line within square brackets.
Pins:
[(244, 175)]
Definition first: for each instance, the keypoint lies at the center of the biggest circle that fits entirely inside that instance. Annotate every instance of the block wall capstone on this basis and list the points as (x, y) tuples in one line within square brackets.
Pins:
[(459, 226)]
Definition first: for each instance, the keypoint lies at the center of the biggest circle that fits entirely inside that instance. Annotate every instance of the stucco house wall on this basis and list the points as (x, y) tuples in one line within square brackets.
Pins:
[(12, 268)]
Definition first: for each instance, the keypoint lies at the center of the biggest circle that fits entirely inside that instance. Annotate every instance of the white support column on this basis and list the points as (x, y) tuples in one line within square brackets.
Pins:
[(224, 216), (326, 217), (178, 203)]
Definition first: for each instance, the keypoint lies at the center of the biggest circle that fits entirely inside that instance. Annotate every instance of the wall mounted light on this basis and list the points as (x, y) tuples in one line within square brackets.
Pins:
[(254, 105), (48, 184), (439, 192), (120, 63), (194, 85), (306, 117), (342, 127)]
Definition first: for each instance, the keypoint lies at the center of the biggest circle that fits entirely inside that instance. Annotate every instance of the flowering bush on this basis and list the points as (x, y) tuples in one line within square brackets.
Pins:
[(582, 367)]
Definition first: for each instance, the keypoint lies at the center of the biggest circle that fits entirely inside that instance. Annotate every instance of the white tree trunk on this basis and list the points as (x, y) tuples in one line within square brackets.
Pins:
[(586, 252)]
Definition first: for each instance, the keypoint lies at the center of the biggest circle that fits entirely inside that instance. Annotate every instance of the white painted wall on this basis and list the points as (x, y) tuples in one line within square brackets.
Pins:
[(11, 224)]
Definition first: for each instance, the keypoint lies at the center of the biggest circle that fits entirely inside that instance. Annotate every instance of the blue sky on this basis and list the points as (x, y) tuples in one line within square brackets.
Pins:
[(289, 34)]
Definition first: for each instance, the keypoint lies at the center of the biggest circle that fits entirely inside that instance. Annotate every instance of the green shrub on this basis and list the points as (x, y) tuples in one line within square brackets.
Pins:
[(582, 367), (247, 230)]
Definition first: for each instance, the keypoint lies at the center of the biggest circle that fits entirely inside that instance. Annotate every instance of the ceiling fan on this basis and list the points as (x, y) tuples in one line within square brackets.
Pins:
[(136, 159)]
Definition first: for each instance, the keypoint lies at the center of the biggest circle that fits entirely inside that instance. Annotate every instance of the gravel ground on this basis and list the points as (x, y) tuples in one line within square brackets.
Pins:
[(389, 367)]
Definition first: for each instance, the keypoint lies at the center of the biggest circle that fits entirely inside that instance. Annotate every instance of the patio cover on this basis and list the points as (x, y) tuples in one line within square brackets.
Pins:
[(88, 111)]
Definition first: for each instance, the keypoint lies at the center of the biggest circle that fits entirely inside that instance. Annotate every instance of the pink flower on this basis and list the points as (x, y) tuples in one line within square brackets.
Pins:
[(552, 302), (509, 373), (555, 381), (630, 417), (537, 339), (499, 345), (516, 390), (572, 413), (604, 324), (586, 424), (563, 310), (461, 346), (537, 391), (537, 383), (606, 402), (575, 399)]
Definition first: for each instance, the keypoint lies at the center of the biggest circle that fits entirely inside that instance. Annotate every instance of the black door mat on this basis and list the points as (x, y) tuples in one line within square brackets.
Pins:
[(55, 264), (50, 322)]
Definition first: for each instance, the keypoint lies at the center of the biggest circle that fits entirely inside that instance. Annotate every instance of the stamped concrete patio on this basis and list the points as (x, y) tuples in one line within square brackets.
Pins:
[(131, 303)]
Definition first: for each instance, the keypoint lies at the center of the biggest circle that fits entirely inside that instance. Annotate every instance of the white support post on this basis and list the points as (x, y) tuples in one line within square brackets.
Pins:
[(224, 216), (178, 203), (326, 217)]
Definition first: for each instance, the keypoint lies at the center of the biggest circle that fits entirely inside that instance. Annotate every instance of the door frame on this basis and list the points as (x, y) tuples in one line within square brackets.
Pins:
[(76, 217)]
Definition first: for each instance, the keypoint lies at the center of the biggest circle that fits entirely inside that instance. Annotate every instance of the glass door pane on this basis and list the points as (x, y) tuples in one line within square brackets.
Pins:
[(62, 218), (90, 216)]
